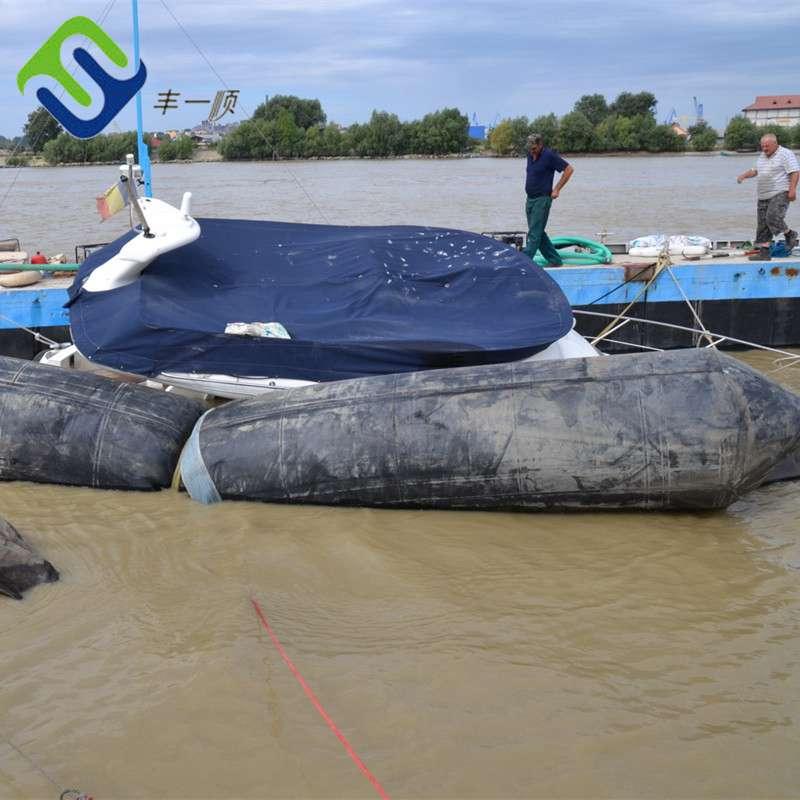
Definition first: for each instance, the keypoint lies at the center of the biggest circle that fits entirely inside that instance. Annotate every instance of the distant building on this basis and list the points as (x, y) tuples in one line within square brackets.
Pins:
[(679, 130), (774, 109), (211, 132), (476, 130)]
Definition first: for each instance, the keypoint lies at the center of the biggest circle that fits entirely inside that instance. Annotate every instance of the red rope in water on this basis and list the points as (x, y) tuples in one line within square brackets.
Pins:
[(311, 696)]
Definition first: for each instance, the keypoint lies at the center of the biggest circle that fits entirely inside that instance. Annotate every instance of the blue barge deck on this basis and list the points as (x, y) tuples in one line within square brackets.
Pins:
[(755, 301)]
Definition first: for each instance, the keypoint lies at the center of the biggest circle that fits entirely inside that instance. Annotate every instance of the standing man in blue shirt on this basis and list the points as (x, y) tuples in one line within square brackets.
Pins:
[(543, 163)]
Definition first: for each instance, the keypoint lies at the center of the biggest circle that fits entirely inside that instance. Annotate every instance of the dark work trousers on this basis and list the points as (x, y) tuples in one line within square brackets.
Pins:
[(771, 217), (537, 210)]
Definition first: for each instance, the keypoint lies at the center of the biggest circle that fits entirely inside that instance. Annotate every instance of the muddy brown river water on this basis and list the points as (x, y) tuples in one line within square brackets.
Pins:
[(463, 655)]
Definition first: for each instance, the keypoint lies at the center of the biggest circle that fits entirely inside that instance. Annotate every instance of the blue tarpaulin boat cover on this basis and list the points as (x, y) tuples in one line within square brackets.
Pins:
[(356, 301)]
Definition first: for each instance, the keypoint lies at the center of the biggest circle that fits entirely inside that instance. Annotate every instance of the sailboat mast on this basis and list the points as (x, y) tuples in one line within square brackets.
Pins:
[(144, 158)]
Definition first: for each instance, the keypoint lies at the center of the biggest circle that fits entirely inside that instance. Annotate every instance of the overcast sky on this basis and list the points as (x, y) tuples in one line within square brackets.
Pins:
[(493, 58)]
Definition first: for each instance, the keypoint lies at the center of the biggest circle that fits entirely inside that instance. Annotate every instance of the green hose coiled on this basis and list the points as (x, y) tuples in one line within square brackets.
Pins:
[(10, 266), (598, 252)]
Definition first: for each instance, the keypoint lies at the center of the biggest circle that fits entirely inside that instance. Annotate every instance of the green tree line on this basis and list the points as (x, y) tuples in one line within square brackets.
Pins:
[(180, 148), (742, 134), (44, 136), (291, 127), (66, 149), (11, 144), (594, 125), (112, 147)]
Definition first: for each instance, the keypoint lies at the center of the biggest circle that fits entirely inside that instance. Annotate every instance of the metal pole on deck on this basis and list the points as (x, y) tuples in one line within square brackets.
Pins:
[(144, 158)]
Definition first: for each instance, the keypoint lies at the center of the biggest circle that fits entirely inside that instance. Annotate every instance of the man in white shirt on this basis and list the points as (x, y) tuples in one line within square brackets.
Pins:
[(777, 171)]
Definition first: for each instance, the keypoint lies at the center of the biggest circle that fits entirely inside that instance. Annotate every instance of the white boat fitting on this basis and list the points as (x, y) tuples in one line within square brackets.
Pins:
[(167, 229)]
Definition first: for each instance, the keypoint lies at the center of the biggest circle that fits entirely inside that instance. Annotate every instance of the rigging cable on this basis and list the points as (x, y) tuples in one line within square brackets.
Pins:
[(624, 283), (661, 264), (78, 795), (39, 337), (261, 133)]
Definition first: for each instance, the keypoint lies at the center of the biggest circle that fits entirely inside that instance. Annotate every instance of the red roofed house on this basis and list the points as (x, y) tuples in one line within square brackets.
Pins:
[(774, 109)]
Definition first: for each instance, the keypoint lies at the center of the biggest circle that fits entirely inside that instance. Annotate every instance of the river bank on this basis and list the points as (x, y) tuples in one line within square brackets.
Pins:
[(201, 156), (212, 156)]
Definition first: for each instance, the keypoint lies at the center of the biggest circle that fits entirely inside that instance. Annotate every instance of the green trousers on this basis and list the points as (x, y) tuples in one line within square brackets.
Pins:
[(537, 210)]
